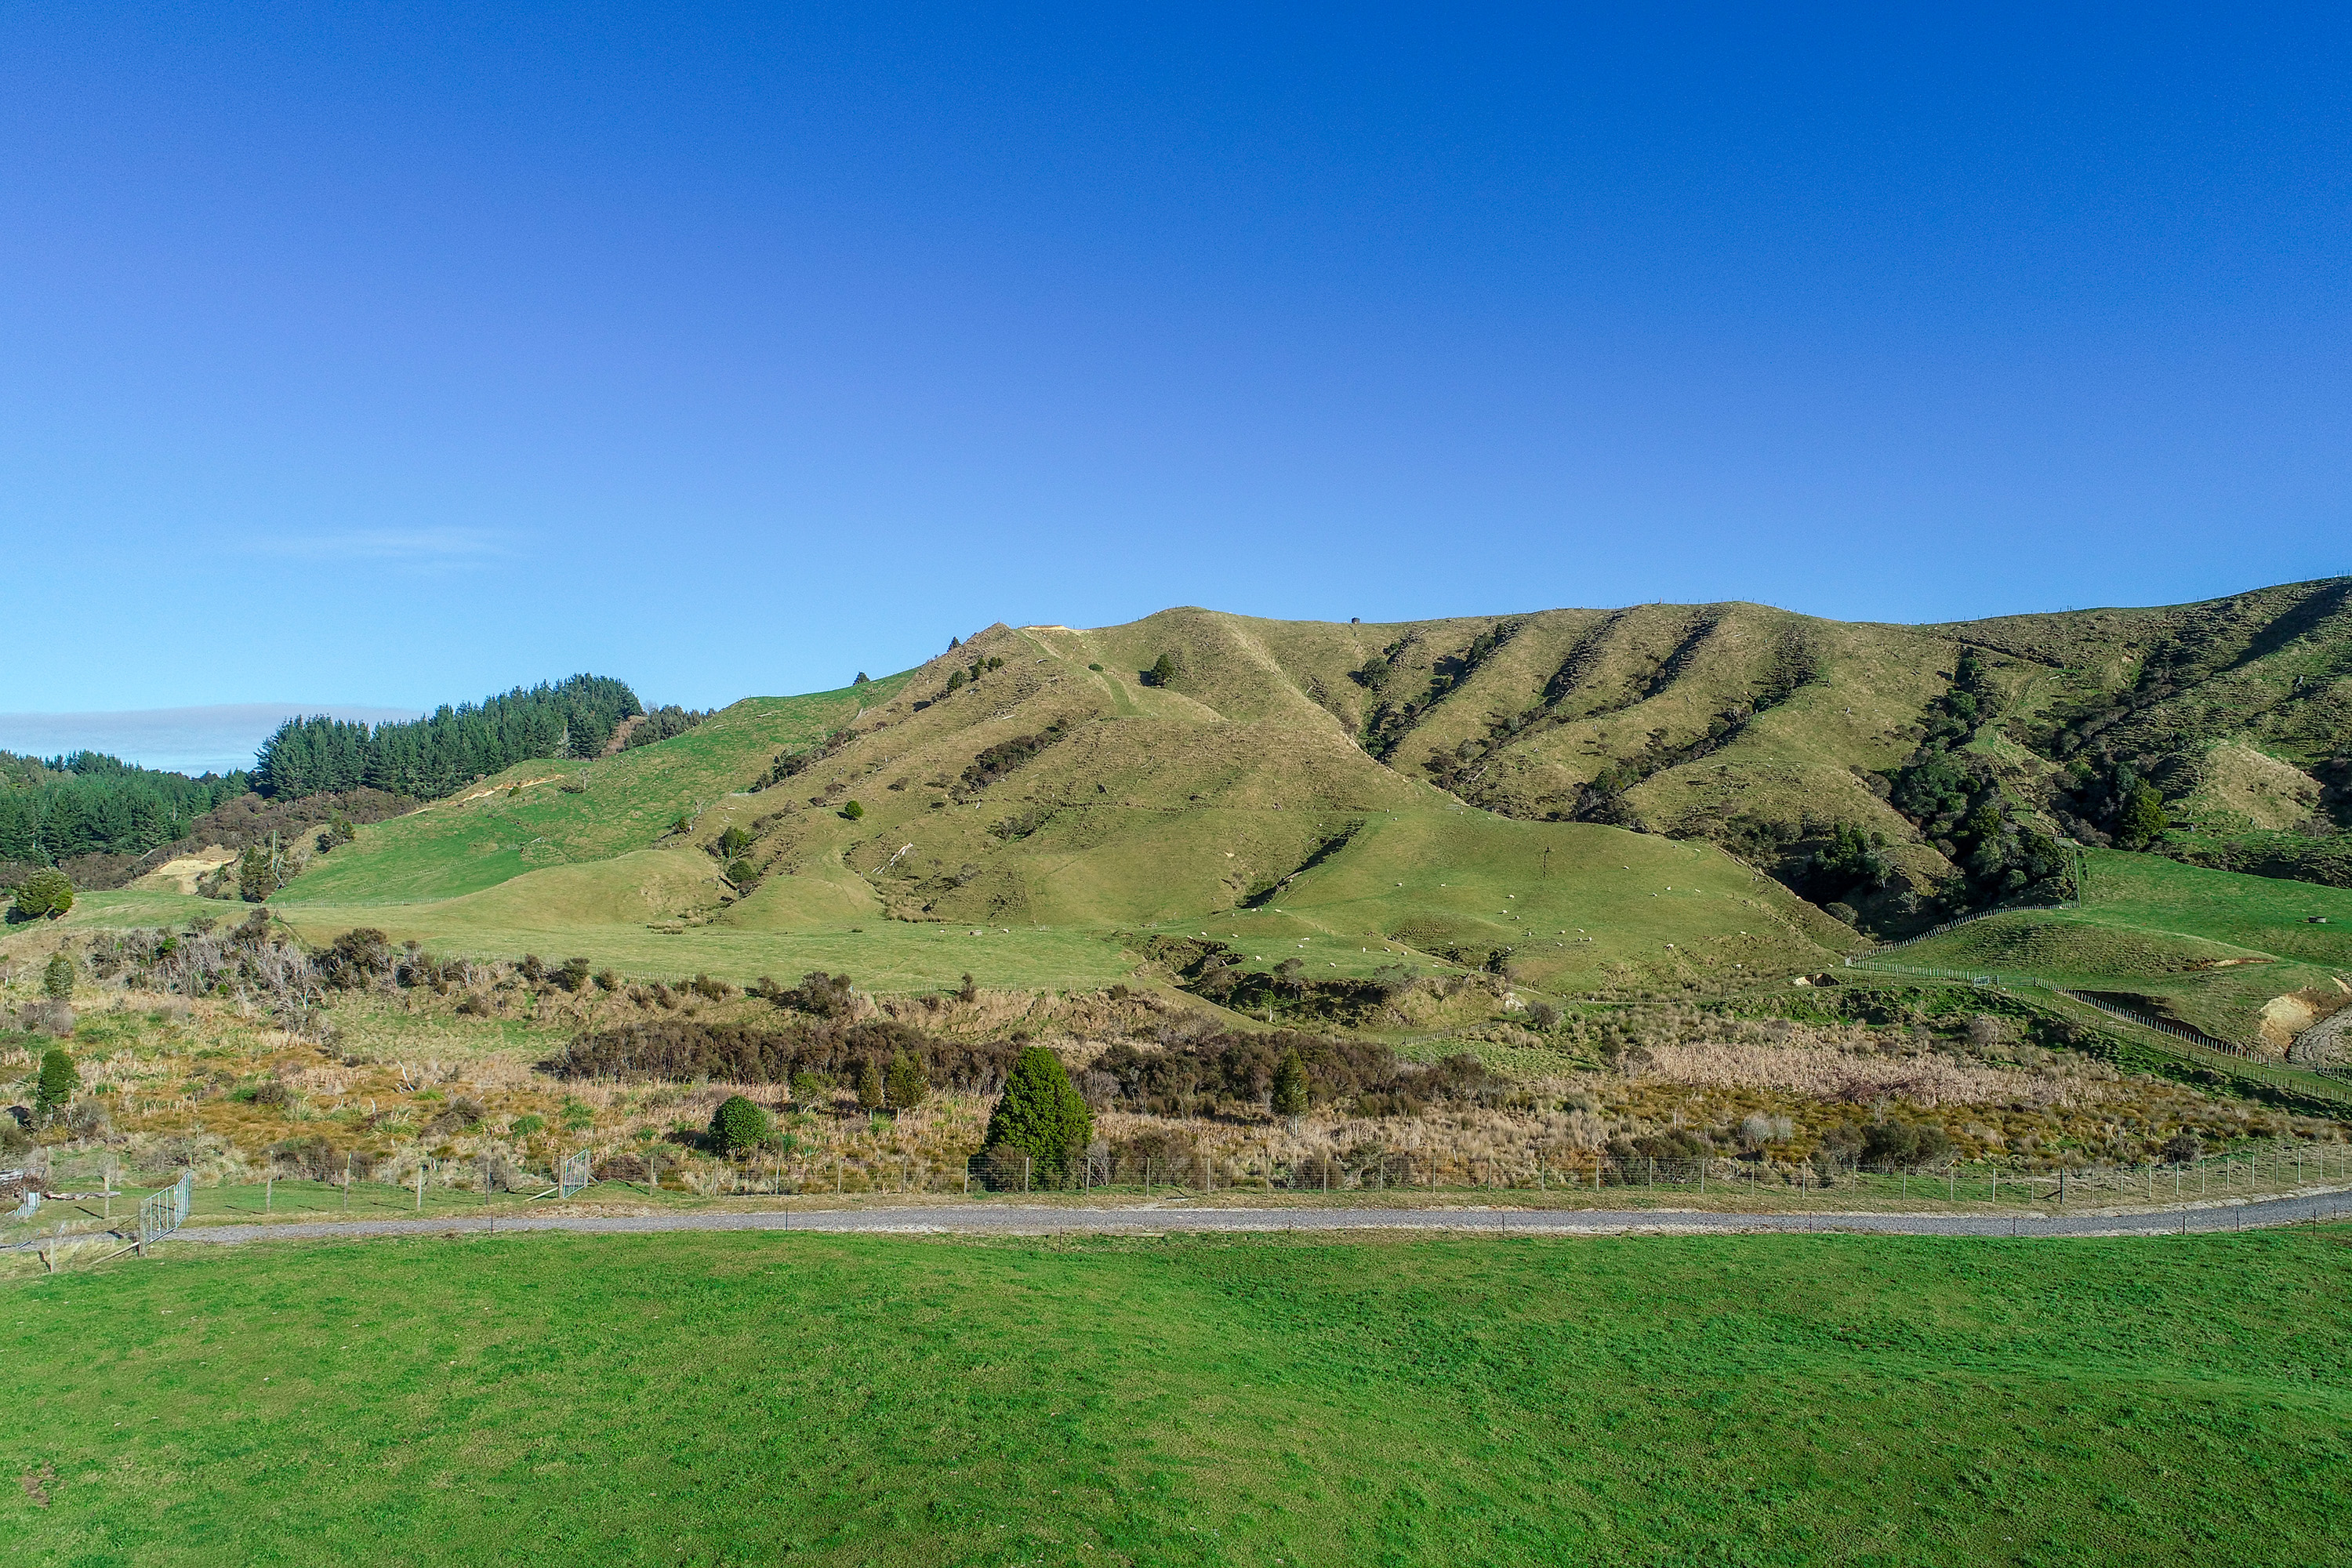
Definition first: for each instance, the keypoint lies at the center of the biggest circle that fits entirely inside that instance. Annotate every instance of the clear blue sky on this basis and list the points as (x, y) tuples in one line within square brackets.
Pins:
[(397, 354)]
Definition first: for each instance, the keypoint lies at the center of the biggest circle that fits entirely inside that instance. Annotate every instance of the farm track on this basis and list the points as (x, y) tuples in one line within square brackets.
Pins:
[(1165, 1218)]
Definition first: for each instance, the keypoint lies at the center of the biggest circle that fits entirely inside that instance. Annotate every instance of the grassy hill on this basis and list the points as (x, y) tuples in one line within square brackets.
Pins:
[(1036, 826), (1588, 796), (2234, 955)]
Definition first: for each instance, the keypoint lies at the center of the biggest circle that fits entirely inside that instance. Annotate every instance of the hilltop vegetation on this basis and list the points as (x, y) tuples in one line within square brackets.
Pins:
[(105, 822), (90, 805), (431, 757)]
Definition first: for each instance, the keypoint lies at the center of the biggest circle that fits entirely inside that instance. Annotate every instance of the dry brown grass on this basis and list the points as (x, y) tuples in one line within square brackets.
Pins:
[(174, 1076)]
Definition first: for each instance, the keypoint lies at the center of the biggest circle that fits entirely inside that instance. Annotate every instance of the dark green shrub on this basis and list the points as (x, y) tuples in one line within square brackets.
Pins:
[(1040, 1114), (1902, 1143), (1162, 673), (738, 1126), (2142, 820), (853, 811), (573, 975), (869, 1086), (1096, 668), (58, 977), (744, 875), (45, 895), (732, 843)]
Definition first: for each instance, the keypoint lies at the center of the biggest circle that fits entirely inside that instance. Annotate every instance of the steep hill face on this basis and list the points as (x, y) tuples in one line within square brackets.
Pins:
[(1041, 776), (1903, 772)]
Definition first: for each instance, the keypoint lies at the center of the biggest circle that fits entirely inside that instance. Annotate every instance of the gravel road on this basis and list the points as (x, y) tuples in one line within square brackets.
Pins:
[(1160, 1218)]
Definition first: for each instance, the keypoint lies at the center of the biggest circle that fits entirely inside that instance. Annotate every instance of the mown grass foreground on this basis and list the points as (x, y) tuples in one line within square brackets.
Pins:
[(739, 1398)]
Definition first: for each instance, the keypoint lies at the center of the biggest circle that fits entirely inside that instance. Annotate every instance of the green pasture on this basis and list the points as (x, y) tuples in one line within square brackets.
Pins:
[(484, 836), (2210, 946), (736, 1398), (1570, 901)]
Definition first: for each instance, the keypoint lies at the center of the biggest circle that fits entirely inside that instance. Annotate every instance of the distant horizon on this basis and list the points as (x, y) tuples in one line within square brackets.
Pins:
[(217, 738)]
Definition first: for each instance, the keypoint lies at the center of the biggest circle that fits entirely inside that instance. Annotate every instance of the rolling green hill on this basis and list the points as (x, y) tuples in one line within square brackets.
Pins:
[(1036, 826), (2239, 957), (1587, 796)]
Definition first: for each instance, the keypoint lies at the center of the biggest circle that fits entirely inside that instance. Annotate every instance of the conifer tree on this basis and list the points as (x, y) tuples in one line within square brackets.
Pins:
[(45, 895), (59, 1081), (1290, 1086), (58, 977), (1040, 1114), (2142, 820), (904, 1083)]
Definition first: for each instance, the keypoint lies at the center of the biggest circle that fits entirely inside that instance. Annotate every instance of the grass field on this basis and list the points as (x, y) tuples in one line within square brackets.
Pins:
[(709, 1399), (485, 834), (2211, 946)]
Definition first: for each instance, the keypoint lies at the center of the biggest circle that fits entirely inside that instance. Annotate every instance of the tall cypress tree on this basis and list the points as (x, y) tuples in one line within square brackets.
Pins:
[(1041, 1114)]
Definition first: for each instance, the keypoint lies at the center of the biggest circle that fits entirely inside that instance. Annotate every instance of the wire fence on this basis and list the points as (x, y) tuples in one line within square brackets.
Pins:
[(2279, 1167), (1936, 930)]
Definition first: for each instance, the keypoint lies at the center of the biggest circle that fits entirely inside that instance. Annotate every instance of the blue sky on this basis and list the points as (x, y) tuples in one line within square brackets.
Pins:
[(394, 355)]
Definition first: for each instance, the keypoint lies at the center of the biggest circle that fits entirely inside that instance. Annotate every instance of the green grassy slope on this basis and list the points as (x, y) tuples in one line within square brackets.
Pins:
[(1149, 808), (2212, 948), (486, 835), (1352, 749), (732, 1398)]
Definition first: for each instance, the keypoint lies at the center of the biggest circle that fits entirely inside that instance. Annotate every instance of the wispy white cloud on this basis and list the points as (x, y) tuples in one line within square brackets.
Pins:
[(416, 546)]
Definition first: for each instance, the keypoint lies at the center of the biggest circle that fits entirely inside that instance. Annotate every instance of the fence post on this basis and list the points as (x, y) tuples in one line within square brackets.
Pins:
[(1025, 1173), (268, 1191)]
